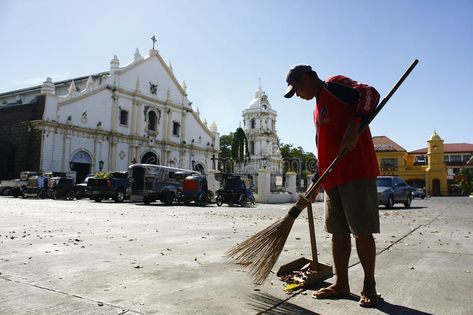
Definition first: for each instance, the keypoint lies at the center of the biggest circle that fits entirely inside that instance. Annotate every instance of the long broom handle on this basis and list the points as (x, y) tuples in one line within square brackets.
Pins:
[(303, 202), (313, 243)]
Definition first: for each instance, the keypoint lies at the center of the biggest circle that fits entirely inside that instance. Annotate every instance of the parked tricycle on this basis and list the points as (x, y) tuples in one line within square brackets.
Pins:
[(195, 189), (61, 188), (34, 187), (234, 192)]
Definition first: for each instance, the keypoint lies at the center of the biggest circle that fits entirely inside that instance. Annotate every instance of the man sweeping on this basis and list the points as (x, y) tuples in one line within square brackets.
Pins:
[(351, 205)]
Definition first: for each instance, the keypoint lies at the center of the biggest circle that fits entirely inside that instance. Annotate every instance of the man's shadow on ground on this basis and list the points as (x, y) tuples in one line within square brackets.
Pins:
[(264, 303)]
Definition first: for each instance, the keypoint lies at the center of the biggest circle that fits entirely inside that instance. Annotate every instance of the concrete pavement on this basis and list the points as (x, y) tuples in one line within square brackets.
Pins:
[(82, 257)]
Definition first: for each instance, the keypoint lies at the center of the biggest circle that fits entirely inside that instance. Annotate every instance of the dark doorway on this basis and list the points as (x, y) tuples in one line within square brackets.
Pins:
[(81, 163), (150, 158), (436, 187), (7, 161), (82, 170)]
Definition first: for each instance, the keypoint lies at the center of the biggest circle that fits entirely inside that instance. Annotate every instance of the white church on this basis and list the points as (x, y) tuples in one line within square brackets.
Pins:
[(135, 113)]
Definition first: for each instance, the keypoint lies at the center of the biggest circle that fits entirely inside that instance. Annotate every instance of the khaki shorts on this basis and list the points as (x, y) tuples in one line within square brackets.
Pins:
[(352, 208)]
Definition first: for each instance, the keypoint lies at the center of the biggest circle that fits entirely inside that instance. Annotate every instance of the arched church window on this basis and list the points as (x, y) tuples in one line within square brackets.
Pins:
[(152, 119), (252, 124)]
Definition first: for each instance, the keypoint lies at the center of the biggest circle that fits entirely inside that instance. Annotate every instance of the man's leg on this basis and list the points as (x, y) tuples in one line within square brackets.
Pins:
[(366, 248), (341, 249)]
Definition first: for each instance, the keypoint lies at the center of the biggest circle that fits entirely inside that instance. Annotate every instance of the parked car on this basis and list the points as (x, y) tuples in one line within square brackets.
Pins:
[(81, 189), (418, 193), (393, 189), (149, 183), (7, 186), (113, 186)]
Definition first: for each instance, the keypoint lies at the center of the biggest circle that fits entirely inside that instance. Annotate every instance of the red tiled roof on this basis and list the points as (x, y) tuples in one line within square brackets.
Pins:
[(384, 144), (450, 148)]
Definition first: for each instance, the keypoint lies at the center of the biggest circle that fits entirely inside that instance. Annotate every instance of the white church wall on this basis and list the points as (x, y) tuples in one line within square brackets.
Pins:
[(104, 155), (97, 108), (124, 104), (52, 151), (174, 159), (122, 158), (151, 71), (175, 116), (184, 160), (50, 109), (194, 131)]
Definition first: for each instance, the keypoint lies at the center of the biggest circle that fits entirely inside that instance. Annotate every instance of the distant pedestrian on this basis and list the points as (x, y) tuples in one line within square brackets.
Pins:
[(41, 185)]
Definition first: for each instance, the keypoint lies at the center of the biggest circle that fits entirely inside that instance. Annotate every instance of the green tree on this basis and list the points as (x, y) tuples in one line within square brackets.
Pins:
[(297, 160), (240, 152), (225, 154), (466, 181), (226, 145)]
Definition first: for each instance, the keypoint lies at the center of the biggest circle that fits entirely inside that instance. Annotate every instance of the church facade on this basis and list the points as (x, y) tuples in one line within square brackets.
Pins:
[(138, 113)]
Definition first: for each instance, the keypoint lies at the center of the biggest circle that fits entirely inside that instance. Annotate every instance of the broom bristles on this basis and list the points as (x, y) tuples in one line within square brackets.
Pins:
[(261, 251)]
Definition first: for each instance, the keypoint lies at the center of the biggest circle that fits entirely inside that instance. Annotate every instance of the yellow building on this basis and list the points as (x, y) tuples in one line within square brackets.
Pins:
[(427, 171)]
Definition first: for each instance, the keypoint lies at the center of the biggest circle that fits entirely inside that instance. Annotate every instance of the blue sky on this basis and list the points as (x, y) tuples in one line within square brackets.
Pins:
[(221, 49)]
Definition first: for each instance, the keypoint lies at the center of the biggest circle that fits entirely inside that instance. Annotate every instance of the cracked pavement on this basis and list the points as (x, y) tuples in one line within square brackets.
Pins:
[(82, 257)]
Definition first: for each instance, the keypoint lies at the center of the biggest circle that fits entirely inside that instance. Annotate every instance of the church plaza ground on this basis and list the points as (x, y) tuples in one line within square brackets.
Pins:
[(82, 257)]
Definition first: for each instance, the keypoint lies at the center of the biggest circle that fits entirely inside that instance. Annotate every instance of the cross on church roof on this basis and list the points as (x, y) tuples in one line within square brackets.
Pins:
[(154, 40)]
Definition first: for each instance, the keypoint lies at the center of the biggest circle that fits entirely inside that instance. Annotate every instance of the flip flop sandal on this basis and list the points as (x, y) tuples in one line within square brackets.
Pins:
[(328, 293), (369, 300)]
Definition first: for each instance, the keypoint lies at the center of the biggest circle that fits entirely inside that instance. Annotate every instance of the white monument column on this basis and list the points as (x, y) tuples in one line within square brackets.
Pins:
[(264, 185), (291, 185)]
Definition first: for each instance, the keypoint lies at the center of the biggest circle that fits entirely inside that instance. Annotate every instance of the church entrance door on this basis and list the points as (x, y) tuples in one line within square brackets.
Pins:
[(81, 163)]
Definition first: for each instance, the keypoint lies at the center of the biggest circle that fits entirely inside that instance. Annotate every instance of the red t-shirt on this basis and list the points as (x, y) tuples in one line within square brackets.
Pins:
[(341, 101)]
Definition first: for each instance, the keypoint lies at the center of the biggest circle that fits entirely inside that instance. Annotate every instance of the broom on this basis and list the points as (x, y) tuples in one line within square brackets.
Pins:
[(261, 251)]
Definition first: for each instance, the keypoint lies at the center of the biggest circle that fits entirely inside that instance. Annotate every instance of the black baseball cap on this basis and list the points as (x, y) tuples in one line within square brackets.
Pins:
[(294, 76)]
